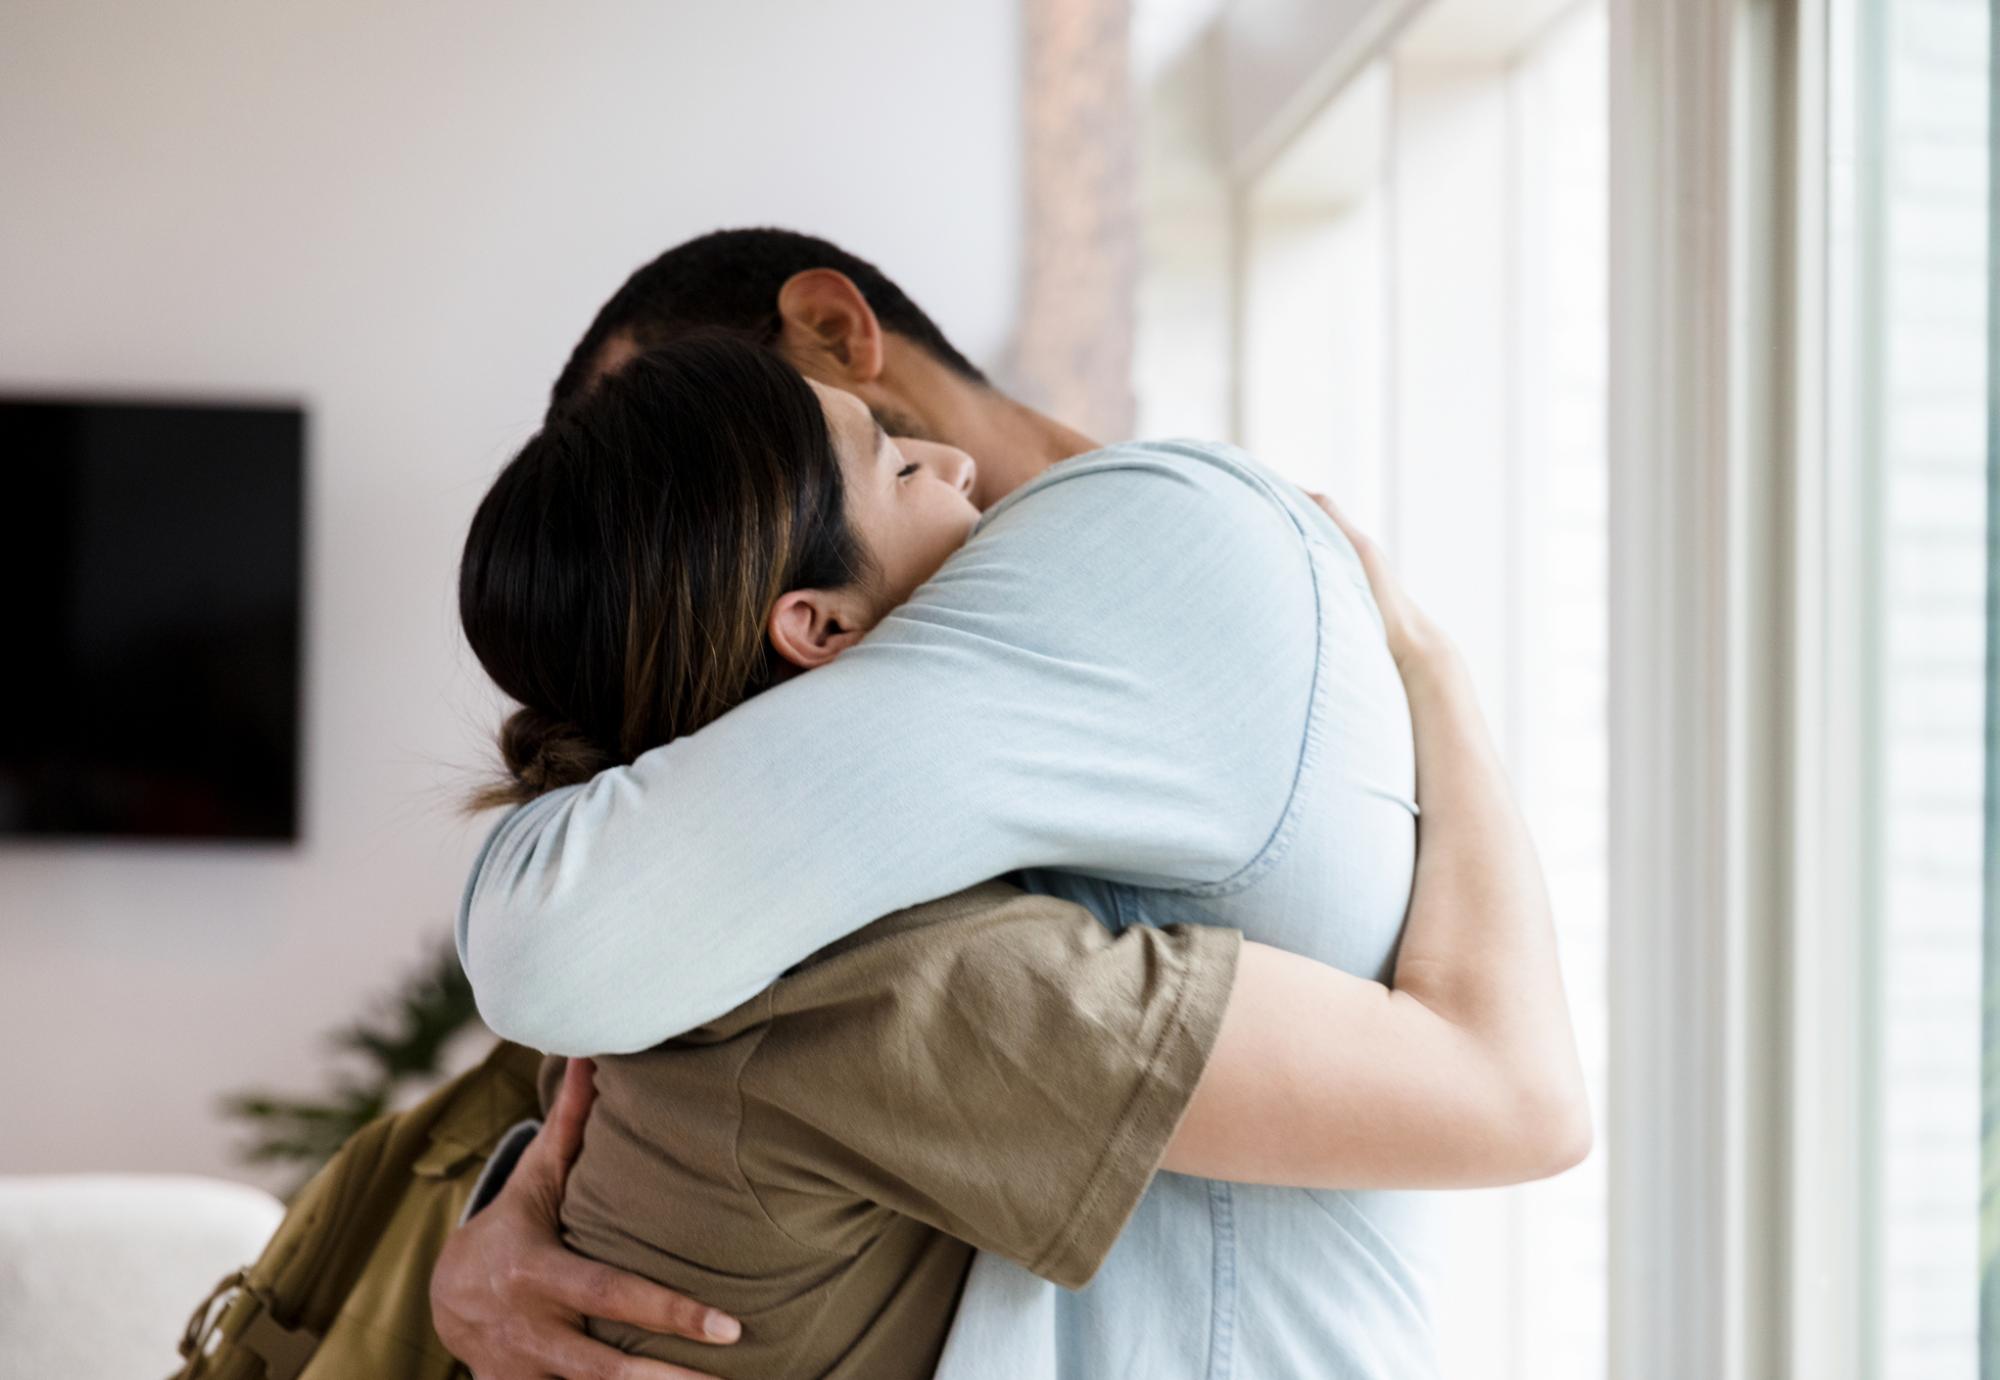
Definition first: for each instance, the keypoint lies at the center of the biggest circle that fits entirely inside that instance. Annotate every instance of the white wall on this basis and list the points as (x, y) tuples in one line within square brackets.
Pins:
[(403, 214)]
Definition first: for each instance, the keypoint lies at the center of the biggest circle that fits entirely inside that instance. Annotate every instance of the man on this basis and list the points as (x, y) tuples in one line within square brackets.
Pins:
[(1154, 666), (838, 320)]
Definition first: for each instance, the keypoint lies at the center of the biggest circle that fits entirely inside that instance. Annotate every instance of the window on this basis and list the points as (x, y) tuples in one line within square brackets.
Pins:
[(1420, 331), (1908, 279), (1407, 279)]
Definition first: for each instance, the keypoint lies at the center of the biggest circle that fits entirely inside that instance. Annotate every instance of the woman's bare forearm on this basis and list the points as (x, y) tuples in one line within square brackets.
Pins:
[(1479, 946), (1462, 1073)]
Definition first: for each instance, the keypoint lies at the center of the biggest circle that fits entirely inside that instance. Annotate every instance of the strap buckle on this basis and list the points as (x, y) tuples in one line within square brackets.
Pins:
[(283, 1350)]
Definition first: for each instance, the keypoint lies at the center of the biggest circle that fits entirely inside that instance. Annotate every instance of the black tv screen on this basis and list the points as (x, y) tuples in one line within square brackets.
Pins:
[(153, 567)]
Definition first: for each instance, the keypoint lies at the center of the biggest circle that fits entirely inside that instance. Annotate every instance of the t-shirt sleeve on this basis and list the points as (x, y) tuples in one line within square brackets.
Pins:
[(1011, 1076), (1113, 676)]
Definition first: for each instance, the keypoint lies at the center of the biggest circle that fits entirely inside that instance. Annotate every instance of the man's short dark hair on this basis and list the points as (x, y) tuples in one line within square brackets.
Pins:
[(729, 279)]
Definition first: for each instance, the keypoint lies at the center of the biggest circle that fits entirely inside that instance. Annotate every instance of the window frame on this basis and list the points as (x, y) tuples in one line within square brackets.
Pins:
[(1737, 775)]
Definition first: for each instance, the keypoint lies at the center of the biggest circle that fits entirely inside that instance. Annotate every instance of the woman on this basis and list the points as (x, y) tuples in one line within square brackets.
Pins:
[(850, 1134)]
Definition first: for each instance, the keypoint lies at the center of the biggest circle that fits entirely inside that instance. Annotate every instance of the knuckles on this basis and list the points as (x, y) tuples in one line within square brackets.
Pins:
[(597, 1293)]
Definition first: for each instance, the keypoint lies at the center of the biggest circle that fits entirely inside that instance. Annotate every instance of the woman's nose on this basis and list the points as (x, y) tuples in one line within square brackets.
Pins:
[(963, 471)]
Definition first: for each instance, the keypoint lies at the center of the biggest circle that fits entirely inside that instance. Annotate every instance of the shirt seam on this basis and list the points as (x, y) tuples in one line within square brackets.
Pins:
[(736, 1141), (1222, 1281), (1272, 851), (802, 1336)]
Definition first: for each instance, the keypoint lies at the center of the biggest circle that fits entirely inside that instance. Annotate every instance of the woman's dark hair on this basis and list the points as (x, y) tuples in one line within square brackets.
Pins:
[(619, 574)]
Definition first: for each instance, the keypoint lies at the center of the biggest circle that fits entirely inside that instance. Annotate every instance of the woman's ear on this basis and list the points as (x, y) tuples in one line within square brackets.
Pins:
[(811, 627), (824, 314)]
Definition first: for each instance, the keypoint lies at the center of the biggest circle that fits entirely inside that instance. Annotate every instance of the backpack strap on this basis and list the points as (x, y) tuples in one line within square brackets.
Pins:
[(285, 1349), (245, 1315), (202, 1323), (267, 1322)]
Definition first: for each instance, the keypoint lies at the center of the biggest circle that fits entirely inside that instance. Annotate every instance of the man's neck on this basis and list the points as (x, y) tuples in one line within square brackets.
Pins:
[(1011, 442)]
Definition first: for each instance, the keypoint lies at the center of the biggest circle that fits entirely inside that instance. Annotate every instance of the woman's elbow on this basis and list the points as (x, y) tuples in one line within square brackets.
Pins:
[(520, 980), (513, 1008), (553, 985), (1551, 1132), (527, 1010)]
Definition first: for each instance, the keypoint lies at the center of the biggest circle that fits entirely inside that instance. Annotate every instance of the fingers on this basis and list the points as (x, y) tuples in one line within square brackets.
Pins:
[(1408, 629), (544, 1166), (1363, 546), (584, 1359), (564, 1126), (522, 1346), (598, 1291)]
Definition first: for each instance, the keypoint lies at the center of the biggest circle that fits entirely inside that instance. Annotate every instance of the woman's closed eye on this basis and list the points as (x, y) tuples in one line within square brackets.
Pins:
[(906, 471)]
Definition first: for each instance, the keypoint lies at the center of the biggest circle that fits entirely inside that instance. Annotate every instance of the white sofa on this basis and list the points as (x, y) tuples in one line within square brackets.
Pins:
[(98, 1272)]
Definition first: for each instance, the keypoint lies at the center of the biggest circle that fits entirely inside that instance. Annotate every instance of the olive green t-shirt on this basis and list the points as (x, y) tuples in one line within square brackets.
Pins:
[(993, 1070)]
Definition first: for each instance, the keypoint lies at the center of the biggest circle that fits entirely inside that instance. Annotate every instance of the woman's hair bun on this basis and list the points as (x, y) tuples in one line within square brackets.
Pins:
[(541, 753)]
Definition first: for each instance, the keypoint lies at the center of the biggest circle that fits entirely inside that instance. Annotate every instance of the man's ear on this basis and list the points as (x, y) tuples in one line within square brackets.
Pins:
[(824, 314), (811, 627)]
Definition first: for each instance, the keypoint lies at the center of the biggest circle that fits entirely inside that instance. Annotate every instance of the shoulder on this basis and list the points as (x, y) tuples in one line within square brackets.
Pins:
[(882, 1005), (1202, 513), (877, 1030), (1189, 475), (1094, 557), (898, 963), (992, 967)]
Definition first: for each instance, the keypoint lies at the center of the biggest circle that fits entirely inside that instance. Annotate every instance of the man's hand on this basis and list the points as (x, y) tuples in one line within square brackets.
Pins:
[(509, 1300)]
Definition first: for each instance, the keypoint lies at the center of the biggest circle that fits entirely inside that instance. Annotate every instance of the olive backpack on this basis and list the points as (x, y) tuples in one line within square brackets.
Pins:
[(343, 1288)]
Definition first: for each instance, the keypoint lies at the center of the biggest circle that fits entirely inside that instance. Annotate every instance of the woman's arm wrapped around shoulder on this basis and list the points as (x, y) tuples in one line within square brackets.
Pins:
[(1463, 1072)]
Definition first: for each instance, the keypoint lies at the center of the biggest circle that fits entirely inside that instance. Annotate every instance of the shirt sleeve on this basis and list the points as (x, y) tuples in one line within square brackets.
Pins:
[(1112, 676), (1012, 1077)]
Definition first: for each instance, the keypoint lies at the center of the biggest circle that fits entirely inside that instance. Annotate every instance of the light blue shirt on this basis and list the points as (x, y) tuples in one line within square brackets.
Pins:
[(1154, 679)]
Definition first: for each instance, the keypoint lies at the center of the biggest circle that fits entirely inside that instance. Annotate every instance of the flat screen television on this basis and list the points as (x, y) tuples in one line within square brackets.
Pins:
[(152, 562)]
